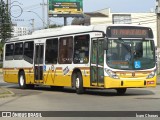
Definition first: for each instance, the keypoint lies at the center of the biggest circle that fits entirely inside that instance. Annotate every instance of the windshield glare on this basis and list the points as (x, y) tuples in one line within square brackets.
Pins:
[(130, 54)]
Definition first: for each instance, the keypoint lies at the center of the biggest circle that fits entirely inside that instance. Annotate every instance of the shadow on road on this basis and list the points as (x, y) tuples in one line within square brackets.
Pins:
[(94, 92)]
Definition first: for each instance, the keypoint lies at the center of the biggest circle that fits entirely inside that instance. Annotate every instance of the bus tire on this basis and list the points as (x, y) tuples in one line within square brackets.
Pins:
[(78, 83), (121, 91), (22, 80)]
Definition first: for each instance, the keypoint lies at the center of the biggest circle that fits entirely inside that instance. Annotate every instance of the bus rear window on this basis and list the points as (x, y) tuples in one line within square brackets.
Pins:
[(9, 52)]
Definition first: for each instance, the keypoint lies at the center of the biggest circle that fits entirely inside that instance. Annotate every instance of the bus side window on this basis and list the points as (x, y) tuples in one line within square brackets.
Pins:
[(9, 51), (28, 51), (51, 51), (18, 51), (81, 49), (65, 50)]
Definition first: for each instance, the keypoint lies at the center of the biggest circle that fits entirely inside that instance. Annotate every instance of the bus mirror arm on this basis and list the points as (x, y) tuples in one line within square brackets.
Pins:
[(105, 45)]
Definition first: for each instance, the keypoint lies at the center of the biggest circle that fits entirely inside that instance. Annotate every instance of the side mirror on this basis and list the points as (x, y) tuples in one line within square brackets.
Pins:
[(105, 45)]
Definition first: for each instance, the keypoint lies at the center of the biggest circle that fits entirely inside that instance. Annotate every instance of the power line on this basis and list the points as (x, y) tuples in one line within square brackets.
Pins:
[(28, 7)]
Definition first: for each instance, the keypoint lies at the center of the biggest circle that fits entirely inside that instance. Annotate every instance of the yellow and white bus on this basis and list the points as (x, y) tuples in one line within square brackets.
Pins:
[(129, 57), (82, 57)]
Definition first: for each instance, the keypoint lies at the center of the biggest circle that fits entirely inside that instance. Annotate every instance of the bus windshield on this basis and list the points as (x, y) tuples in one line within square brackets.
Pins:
[(129, 54)]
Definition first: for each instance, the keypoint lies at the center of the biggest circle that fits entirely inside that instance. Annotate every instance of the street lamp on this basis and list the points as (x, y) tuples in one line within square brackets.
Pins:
[(39, 18)]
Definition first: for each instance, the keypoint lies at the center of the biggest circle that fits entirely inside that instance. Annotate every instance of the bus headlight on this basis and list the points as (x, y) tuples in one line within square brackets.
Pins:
[(151, 75), (111, 74)]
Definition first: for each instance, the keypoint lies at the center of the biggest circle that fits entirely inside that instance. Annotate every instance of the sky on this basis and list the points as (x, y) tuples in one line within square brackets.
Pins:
[(125, 6)]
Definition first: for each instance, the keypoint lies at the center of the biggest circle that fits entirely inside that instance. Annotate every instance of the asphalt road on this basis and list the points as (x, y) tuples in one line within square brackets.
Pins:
[(45, 99)]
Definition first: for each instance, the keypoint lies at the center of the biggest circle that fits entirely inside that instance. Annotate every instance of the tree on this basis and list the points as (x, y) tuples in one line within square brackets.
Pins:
[(5, 22), (5, 25), (54, 26), (1, 51)]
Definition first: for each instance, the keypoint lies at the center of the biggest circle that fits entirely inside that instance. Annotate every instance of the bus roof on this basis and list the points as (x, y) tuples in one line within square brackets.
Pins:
[(103, 27), (125, 31), (66, 30), (55, 32)]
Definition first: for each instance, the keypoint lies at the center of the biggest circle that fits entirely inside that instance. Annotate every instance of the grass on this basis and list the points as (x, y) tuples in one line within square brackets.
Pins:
[(1, 65), (4, 94), (158, 75)]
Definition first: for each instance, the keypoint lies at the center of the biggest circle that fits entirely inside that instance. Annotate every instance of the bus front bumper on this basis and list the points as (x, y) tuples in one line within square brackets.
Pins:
[(129, 82)]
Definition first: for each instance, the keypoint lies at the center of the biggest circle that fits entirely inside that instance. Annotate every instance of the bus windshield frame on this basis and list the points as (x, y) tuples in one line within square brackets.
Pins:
[(130, 54)]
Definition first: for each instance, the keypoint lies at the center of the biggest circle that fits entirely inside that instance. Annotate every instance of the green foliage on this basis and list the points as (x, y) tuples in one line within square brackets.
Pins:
[(1, 46), (5, 22), (55, 26), (1, 66), (1, 50)]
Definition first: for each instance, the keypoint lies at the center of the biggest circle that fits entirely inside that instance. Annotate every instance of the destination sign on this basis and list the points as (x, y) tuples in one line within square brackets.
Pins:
[(129, 32)]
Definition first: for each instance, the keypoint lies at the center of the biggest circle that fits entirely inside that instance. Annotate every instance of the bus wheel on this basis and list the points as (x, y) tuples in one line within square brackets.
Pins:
[(78, 83), (121, 91), (22, 80)]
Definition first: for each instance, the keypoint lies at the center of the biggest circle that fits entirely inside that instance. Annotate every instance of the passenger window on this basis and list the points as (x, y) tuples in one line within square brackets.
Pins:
[(28, 51), (9, 52), (51, 51), (65, 50), (18, 52), (81, 49)]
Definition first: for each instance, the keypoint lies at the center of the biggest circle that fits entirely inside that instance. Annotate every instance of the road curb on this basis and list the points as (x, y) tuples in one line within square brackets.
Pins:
[(5, 92)]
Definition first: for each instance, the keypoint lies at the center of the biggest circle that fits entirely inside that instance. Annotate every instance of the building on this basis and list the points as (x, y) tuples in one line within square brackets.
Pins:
[(105, 16), (20, 31)]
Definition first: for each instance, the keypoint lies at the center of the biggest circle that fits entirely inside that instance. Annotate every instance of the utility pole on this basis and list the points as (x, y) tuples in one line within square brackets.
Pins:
[(158, 23), (8, 4), (65, 21), (158, 33), (43, 12), (32, 25), (48, 22)]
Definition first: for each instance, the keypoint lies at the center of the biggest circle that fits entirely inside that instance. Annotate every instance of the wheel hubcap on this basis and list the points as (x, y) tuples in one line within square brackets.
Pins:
[(77, 82), (21, 80)]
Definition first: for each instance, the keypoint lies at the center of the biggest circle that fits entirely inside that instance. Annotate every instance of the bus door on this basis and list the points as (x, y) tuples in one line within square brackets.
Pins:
[(38, 63), (97, 63)]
